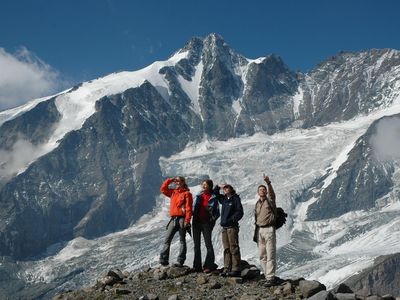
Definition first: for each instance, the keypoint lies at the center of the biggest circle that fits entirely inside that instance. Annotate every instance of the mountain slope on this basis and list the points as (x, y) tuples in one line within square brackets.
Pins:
[(349, 84), (94, 165), (362, 179), (329, 250), (383, 277)]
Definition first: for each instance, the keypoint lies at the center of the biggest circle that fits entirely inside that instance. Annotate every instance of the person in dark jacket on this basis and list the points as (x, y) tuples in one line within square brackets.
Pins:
[(205, 214), (231, 213)]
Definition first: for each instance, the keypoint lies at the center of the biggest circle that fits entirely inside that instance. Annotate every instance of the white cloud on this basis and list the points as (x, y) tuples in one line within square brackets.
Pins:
[(386, 141), (18, 158), (24, 76)]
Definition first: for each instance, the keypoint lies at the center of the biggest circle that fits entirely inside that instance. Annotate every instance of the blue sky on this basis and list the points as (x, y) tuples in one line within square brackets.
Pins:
[(85, 39)]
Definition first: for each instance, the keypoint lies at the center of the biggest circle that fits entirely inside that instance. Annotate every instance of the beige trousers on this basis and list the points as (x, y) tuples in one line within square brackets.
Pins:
[(267, 248)]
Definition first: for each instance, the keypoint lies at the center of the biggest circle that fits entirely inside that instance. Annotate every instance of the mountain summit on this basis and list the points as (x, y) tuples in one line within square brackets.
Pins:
[(89, 161)]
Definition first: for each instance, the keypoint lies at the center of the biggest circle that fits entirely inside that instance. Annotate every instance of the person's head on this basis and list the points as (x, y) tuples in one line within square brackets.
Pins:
[(228, 190), (180, 182), (207, 185), (262, 191)]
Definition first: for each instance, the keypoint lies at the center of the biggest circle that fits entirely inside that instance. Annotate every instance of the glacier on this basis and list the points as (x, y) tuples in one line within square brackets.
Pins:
[(329, 250)]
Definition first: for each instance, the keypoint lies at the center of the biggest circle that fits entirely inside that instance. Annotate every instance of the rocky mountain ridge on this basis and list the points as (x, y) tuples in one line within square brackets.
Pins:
[(103, 169), (382, 277), (182, 283)]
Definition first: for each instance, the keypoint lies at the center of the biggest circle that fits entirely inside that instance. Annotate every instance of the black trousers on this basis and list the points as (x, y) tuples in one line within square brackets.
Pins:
[(176, 224), (206, 229)]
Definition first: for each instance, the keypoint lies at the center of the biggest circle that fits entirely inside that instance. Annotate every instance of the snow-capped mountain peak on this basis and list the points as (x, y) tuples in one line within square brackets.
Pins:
[(97, 153)]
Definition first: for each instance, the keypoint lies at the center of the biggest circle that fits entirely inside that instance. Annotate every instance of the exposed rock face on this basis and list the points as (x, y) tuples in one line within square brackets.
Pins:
[(98, 180), (26, 133), (34, 126), (267, 100), (349, 84), (360, 181), (103, 176), (382, 278)]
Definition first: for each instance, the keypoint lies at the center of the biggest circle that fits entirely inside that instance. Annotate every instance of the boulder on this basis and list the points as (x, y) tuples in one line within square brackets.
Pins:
[(345, 296), (309, 288), (235, 280), (160, 274), (287, 288), (248, 297), (342, 288), (250, 273), (149, 297), (202, 279), (122, 292), (215, 285), (373, 298), (116, 273), (322, 295), (175, 272), (107, 280)]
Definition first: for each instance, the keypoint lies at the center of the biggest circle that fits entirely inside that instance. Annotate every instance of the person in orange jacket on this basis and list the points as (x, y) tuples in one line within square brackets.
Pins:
[(181, 214)]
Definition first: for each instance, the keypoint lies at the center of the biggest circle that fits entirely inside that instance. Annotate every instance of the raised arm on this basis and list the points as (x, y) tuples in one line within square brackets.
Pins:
[(165, 190), (271, 192), (217, 193)]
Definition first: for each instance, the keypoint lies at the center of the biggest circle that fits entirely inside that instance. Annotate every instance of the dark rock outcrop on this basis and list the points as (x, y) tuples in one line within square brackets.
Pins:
[(98, 180), (361, 180), (190, 285), (348, 84), (382, 278), (102, 176)]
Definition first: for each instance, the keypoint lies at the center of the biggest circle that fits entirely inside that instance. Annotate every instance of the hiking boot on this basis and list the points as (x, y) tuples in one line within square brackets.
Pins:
[(196, 270), (178, 264), (164, 263), (211, 269), (234, 274), (271, 282)]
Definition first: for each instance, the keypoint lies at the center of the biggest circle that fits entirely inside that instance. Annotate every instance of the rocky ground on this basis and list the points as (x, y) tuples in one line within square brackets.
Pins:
[(174, 283)]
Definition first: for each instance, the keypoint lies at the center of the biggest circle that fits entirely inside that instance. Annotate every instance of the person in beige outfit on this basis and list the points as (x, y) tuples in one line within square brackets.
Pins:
[(265, 216)]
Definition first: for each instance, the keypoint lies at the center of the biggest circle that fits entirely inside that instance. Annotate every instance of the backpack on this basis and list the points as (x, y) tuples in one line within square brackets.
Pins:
[(280, 220), (280, 217)]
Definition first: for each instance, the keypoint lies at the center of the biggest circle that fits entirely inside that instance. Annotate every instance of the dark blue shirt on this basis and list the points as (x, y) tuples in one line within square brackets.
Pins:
[(232, 210)]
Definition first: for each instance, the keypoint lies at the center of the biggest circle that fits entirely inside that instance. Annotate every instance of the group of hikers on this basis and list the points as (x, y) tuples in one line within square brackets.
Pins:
[(199, 218)]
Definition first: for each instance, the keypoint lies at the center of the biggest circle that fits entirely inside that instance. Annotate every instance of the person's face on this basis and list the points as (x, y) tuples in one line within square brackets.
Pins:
[(262, 192), (227, 191), (179, 183), (205, 187)]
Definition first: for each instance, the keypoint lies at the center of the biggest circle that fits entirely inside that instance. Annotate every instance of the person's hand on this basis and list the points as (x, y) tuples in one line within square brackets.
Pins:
[(187, 225), (266, 179)]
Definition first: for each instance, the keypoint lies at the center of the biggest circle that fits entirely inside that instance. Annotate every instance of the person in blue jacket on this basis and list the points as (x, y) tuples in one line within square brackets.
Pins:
[(205, 214), (231, 213)]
